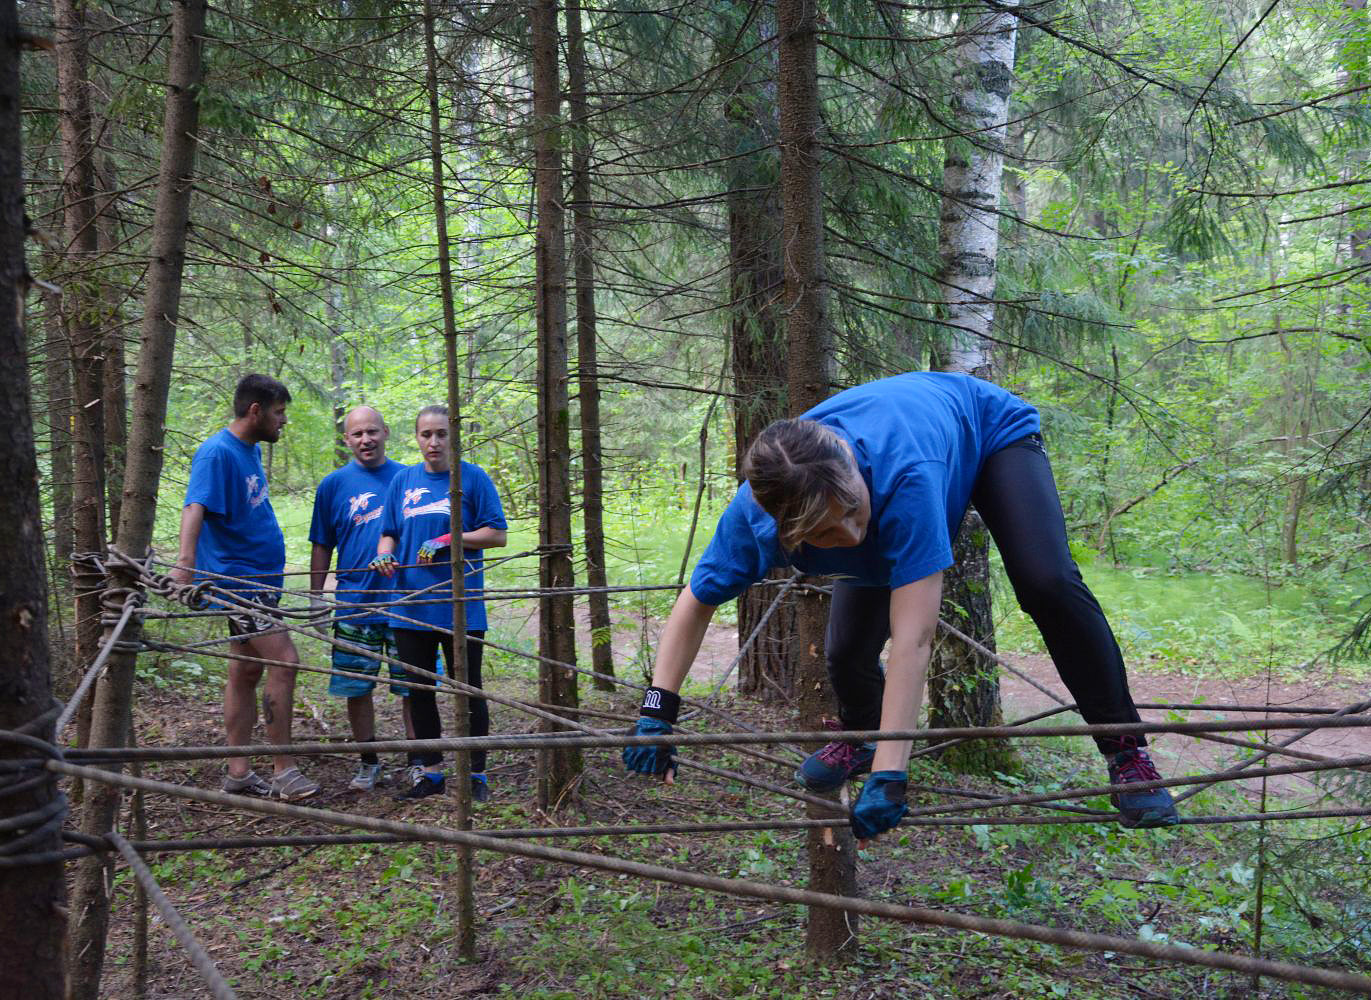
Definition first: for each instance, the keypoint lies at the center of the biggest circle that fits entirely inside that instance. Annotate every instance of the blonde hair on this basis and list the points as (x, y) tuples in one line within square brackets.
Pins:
[(797, 470)]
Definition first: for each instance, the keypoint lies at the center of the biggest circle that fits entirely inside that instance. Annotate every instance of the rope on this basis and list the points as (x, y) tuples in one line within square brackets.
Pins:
[(204, 965), (43, 823), (1064, 937), (593, 738), (131, 603)]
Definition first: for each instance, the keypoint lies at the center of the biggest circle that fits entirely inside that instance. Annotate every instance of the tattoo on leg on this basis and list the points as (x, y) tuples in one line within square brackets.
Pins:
[(268, 709)]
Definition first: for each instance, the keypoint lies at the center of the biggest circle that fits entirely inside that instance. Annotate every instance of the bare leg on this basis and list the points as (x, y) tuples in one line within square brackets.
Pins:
[(362, 718), (278, 696), (240, 706)]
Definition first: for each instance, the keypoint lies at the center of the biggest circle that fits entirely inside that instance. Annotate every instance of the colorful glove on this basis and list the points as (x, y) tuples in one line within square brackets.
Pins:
[(383, 564), (651, 760), (433, 546), (881, 805)]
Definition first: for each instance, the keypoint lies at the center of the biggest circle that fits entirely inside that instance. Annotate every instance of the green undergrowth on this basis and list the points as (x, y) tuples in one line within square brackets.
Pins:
[(377, 920)]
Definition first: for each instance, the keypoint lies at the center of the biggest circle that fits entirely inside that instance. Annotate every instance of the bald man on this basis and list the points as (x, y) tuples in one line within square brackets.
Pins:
[(348, 508)]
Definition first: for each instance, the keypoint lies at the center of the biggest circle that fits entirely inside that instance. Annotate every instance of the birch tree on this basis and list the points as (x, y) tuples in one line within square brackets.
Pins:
[(963, 686)]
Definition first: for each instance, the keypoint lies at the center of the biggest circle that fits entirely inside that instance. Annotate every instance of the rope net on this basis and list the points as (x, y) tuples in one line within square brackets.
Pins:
[(959, 807)]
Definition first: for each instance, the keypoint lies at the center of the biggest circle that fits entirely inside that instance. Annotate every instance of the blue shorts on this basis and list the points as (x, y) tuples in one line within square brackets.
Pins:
[(376, 638)]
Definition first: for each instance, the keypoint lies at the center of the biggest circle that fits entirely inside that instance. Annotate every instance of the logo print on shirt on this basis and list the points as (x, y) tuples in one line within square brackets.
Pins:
[(443, 506), (360, 503), (412, 495), (256, 498)]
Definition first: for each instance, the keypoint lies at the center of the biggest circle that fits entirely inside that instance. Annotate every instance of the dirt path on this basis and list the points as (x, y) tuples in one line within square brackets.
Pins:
[(1177, 754), (635, 640)]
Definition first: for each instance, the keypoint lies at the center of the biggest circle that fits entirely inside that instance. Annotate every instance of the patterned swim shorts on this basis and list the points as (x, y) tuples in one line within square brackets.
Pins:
[(375, 638)]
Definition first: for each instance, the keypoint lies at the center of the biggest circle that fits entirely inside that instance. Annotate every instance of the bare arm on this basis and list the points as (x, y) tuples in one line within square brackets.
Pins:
[(485, 538), (913, 621), (680, 641), (320, 557), (192, 520)]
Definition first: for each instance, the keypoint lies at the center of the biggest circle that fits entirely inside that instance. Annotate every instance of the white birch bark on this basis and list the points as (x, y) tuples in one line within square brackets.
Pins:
[(968, 236)]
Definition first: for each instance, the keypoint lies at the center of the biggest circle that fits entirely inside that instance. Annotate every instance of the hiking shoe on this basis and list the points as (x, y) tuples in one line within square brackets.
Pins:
[(1145, 809), (368, 776), (290, 785), (425, 785), (249, 784), (413, 773), (480, 788), (827, 769)]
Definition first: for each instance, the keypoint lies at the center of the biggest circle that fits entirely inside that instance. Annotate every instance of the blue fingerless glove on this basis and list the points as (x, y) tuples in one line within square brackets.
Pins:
[(383, 564), (651, 760), (881, 805)]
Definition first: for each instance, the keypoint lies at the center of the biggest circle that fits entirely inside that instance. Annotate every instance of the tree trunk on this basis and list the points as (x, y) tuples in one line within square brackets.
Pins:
[(832, 853), (588, 383), (558, 770), (32, 897), (161, 310), (114, 376), (465, 874), (81, 308), (756, 284), (337, 344), (58, 367), (963, 690)]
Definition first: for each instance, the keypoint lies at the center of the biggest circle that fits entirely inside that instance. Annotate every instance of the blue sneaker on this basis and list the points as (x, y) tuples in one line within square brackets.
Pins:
[(827, 769), (480, 787), (1140, 810)]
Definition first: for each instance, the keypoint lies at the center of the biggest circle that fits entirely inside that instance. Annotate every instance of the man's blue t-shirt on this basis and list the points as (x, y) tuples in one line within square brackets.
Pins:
[(919, 440), (240, 536), (418, 507), (347, 518)]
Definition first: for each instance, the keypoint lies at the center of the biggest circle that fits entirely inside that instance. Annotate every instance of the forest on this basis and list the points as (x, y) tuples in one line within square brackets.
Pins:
[(617, 241)]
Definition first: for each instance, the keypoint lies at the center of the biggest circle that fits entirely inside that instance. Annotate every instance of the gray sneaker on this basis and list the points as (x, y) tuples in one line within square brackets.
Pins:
[(249, 784), (290, 784), (366, 779)]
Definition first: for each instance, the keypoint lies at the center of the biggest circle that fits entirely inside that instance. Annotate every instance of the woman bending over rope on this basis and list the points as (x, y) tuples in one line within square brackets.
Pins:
[(415, 528), (870, 486)]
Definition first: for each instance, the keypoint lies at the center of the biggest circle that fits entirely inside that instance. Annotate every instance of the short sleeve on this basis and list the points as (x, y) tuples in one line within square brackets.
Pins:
[(736, 556), (209, 474), (486, 509), (321, 527), (390, 520), (913, 525)]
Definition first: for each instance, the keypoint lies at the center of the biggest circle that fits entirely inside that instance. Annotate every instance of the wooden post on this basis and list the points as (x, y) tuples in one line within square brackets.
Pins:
[(465, 876), (832, 853), (587, 378), (558, 770)]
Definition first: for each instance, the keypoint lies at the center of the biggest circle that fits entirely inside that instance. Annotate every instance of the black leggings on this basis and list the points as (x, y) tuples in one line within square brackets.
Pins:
[(419, 648), (1017, 498)]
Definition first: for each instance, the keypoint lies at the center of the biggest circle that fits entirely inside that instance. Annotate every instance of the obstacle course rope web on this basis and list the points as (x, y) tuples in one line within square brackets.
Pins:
[(122, 605)]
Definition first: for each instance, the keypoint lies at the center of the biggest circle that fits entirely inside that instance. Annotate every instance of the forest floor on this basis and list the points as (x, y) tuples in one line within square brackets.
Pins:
[(375, 920)]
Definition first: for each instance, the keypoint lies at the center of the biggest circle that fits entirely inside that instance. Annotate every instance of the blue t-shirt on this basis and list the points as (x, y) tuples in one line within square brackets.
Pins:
[(347, 518), (919, 440), (418, 507), (240, 536)]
